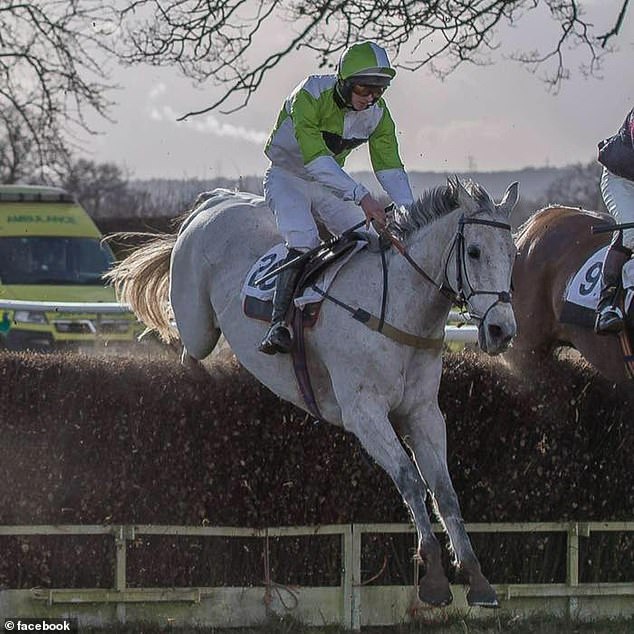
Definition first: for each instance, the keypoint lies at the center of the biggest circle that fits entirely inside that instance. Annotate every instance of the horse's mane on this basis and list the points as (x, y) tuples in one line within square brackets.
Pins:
[(436, 203), (529, 223), (540, 219)]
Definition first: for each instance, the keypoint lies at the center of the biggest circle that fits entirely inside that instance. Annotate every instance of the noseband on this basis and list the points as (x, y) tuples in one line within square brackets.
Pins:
[(466, 290)]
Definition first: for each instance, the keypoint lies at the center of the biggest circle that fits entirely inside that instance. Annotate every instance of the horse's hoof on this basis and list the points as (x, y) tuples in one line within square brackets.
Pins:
[(483, 598), (436, 594)]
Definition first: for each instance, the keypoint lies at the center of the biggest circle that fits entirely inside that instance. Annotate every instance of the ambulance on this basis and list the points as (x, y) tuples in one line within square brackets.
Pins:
[(52, 259)]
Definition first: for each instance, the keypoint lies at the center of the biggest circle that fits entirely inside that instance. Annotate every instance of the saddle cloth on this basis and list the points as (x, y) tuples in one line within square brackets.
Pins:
[(582, 292), (257, 300)]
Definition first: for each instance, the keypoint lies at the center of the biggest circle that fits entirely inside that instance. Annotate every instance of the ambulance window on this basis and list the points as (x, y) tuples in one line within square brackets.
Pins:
[(54, 260)]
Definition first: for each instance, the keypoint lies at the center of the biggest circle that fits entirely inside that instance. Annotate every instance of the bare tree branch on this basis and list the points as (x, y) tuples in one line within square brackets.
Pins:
[(54, 53), (51, 72), (614, 31), (217, 40)]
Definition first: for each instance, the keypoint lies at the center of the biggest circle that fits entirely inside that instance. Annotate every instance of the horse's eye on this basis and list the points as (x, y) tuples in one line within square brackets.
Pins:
[(473, 251)]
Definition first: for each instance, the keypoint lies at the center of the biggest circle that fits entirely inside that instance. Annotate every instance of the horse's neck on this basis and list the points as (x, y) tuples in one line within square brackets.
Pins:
[(430, 248)]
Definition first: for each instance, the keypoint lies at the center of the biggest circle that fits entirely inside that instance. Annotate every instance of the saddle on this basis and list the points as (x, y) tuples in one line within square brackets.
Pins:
[(321, 266)]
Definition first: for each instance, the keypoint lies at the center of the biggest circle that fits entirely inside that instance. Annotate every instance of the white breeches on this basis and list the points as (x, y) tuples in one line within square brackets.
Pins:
[(297, 202), (618, 196)]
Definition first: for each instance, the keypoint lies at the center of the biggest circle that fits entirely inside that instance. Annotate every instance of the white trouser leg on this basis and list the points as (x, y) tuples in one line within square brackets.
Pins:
[(338, 215), (296, 202), (290, 199), (618, 195)]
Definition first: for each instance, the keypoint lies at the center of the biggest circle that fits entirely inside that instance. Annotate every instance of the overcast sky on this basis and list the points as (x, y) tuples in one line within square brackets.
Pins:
[(486, 118)]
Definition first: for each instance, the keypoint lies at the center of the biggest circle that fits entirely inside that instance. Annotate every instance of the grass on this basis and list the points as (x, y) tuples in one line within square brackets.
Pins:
[(454, 625)]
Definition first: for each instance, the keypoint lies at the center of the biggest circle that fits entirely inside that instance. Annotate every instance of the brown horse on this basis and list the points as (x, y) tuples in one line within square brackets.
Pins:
[(552, 246)]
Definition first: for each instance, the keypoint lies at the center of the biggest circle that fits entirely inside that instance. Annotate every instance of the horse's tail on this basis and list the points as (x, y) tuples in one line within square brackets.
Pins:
[(141, 280)]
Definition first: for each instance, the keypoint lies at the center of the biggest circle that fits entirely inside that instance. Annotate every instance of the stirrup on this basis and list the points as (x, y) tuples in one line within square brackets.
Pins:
[(609, 320), (279, 338)]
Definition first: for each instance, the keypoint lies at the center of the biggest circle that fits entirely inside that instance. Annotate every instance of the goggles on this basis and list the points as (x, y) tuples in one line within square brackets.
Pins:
[(365, 90)]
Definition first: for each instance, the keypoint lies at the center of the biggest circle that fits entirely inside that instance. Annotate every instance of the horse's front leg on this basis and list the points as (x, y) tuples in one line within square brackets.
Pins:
[(369, 422), (424, 431)]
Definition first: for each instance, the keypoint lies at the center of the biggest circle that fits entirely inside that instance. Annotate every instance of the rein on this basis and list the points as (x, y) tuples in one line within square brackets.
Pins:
[(607, 228), (459, 297)]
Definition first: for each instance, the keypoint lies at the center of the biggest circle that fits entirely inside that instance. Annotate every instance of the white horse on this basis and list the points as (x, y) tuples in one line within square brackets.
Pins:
[(458, 245)]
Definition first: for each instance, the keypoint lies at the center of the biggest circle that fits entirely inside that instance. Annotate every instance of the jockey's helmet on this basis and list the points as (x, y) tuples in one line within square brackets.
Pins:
[(363, 64)]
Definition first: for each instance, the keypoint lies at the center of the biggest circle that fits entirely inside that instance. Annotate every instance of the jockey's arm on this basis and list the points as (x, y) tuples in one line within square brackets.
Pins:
[(387, 163)]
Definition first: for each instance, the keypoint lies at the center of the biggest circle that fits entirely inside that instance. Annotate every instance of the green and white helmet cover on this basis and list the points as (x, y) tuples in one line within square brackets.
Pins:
[(365, 59)]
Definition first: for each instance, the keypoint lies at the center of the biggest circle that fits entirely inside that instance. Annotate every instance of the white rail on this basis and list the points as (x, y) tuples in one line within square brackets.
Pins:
[(65, 307), (461, 333)]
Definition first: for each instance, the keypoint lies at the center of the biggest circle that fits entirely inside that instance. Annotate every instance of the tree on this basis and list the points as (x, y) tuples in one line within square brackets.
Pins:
[(578, 188), (102, 188), (16, 152), (51, 73), (54, 54), (217, 40)]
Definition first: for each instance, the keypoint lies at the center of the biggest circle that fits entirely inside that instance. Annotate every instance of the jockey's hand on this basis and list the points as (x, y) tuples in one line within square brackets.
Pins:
[(373, 211)]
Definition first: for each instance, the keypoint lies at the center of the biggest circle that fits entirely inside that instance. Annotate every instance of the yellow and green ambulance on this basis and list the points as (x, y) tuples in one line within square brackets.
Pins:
[(52, 258)]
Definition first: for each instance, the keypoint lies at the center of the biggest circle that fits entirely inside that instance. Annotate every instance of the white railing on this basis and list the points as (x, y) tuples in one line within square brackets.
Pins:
[(65, 307), (351, 603), (462, 333)]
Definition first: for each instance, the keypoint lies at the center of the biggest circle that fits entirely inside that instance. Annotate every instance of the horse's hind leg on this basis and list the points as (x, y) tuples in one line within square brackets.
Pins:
[(198, 369), (368, 421), (424, 432), (189, 297)]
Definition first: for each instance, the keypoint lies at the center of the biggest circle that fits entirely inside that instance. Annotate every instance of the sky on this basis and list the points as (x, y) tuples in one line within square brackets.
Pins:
[(480, 118)]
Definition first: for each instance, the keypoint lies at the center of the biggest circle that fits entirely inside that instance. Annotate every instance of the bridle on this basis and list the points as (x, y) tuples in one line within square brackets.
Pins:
[(465, 291)]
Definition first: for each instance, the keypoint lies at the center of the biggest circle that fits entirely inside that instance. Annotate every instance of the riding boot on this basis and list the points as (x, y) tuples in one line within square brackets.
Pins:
[(609, 317), (279, 337)]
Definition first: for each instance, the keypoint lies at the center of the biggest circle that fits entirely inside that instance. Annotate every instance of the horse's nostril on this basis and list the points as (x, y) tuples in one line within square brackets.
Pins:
[(495, 332)]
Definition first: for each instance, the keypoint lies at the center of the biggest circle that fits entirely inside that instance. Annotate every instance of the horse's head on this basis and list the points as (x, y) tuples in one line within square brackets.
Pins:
[(480, 266)]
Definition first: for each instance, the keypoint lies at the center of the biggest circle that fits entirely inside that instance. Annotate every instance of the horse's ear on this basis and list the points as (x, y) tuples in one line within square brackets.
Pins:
[(463, 198), (510, 199)]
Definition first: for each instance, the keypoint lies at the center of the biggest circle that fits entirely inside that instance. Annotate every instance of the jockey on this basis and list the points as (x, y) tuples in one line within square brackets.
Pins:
[(320, 123), (616, 154)]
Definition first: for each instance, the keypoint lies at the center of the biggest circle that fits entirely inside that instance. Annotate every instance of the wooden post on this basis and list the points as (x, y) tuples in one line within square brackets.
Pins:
[(120, 541), (355, 622), (351, 560), (572, 565)]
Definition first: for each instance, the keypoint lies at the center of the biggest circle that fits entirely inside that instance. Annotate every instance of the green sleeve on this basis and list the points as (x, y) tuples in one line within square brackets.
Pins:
[(305, 115), (383, 144)]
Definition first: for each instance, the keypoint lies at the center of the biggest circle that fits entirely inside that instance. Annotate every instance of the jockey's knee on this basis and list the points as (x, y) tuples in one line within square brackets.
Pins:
[(301, 240)]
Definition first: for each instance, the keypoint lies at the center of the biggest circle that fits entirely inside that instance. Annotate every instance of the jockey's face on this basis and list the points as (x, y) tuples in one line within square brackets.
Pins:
[(364, 96)]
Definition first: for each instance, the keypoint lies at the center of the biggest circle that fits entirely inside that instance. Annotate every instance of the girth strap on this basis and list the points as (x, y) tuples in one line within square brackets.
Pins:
[(300, 365), (378, 325)]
